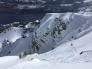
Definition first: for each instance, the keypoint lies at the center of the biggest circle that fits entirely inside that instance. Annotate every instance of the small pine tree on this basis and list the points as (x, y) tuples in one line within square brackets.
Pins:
[(71, 44), (72, 37), (79, 30), (4, 44), (35, 44), (64, 26), (42, 40), (23, 36)]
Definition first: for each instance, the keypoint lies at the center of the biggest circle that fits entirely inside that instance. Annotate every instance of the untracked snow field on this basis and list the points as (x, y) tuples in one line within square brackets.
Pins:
[(15, 63)]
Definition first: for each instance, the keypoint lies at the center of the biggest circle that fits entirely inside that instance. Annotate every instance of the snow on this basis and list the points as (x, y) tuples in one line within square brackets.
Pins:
[(26, 6), (16, 32), (28, 25), (53, 66), (11, 34), (53, 59), (21, 45), (87, 1), (38, 64), (66, 51), (64, 57), (72, 47), (8, 61), (65, 5), (74, 22)]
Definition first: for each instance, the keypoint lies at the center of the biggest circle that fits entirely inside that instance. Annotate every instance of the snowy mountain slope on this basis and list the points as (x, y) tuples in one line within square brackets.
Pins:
[(70, 51), (11, 34), (64, 56), (16, 48), (61, 39), (59, 28), (55, 29), (23, 43)]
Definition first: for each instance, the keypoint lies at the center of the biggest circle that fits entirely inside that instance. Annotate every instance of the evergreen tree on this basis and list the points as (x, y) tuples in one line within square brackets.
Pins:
[(5, 43)]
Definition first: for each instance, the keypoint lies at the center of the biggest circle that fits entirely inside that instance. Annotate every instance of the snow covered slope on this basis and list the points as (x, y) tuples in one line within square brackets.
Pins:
[(79, 50), (39, 64), (58, 28), (55, 29), (62, 40), (11, 34), (63, 57), (19, 41)]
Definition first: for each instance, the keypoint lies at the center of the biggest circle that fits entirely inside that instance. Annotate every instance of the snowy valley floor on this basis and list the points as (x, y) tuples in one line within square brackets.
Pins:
[(15, 63)]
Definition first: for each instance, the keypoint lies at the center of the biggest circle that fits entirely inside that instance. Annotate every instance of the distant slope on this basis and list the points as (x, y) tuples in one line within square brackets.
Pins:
[(34, 6)]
